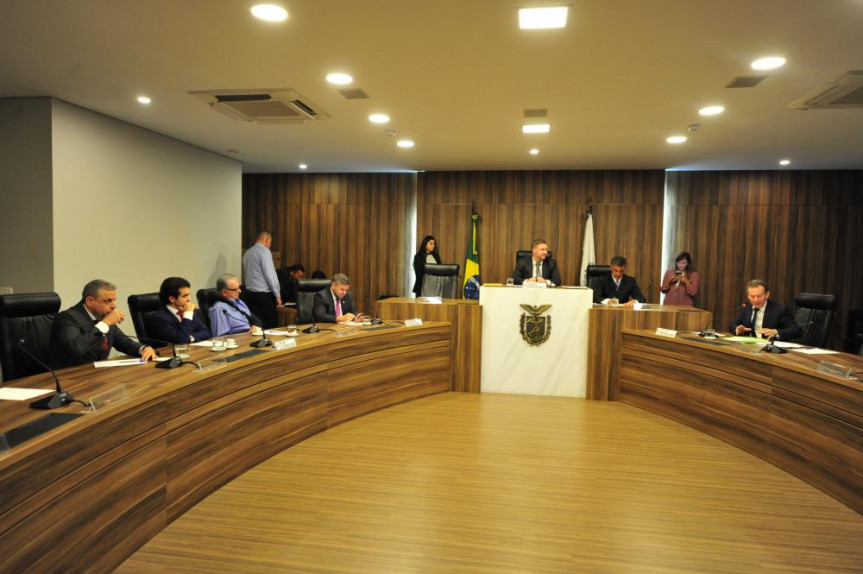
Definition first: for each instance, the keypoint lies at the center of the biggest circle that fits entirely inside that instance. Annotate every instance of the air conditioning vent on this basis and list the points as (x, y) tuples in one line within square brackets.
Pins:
[(264, 106), (745, 81), (353, 93), (844, 93)]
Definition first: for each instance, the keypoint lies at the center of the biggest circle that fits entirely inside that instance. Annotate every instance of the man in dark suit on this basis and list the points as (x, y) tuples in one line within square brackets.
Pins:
[(88, 331), (335, 304), (764, 318), (289, 280), (177, 321), (617, 288), (538, 268)]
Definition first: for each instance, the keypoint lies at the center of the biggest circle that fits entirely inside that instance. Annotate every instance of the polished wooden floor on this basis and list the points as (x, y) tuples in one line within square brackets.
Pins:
[(465, 482)]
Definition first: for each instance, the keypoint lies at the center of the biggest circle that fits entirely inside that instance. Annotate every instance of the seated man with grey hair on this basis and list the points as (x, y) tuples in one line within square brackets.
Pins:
[(335, 304), (229, 315), (87, 332)]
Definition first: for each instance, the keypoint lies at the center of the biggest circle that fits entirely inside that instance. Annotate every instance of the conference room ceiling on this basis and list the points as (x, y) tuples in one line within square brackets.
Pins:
[(456, 78)]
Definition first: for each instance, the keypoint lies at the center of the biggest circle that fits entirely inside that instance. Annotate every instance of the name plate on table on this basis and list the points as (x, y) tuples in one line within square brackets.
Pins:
[(109, 399), (534, 285), (284, 344), (413, 322), (666, 332)]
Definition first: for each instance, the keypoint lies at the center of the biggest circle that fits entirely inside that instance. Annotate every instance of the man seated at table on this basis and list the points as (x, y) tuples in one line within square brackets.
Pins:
[(764, 318), (616, 288), (87, 332), (230, 315), (176, 321), (538, 268), (290, 281), (335, 304)]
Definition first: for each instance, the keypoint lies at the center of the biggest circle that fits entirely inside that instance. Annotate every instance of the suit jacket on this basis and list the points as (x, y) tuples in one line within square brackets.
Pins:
[(75, 340), (325, 307), (604, 288), (164, 326), (776, 317), (524, 270)]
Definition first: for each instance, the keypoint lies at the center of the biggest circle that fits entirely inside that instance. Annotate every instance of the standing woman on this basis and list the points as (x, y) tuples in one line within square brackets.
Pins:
[(427, 253), (681, 283)]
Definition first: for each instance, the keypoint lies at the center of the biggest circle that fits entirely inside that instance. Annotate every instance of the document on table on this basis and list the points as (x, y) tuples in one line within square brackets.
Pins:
[(787, 345), (13, 394), (816, 351), (125, 362)]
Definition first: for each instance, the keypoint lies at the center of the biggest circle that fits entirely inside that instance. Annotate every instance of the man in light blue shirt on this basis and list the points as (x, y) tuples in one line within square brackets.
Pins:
[(229, 315), (263, 294)]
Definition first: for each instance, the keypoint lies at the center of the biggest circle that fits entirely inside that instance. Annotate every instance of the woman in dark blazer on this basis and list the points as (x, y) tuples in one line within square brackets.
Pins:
[(427, 253)]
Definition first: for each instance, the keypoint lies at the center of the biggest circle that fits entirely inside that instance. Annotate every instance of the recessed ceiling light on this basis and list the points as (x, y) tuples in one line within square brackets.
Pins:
[(144, 100), (534, 151), (535, 128), (269, 12), (769, 63), (785, 162), (379, 118), (405, 143), (711, 111), (542, 18), (339, 78), (303, 166), (676, 139)]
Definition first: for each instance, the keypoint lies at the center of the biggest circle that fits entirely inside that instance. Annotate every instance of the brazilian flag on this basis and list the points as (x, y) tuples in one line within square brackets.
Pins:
[(471, 264)]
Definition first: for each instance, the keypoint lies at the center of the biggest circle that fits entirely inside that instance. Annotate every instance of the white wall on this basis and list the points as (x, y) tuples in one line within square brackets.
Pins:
[(132, 206), (25, 195)]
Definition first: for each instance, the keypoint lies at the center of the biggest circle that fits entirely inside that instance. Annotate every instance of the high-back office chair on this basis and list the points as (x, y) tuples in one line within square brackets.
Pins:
[(26, 316), (594, 271), (306, 290), (206, 299), (814, 313), (526, 254), (141, 307), (440, 280)]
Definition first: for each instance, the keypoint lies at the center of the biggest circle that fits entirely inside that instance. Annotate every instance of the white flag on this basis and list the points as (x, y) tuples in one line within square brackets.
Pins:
[(588, 252)]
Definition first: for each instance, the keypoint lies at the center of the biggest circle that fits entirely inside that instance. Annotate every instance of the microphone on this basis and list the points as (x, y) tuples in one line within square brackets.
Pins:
[(314, 328), (771, 348), (175, 360), (60, 397), (264, 342), (724, 316)]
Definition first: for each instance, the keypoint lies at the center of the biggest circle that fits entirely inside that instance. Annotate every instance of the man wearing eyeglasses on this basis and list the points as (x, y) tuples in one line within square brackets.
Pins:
[(230, 315)]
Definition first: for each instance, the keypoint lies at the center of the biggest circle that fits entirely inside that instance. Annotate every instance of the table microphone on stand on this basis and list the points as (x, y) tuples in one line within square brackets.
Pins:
[(60, 397)]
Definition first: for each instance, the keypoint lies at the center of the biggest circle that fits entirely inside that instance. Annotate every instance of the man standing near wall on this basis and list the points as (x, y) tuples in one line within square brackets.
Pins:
[(263, 293)]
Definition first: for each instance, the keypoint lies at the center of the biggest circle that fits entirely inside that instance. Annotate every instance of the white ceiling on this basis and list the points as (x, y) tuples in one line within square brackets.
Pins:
[(455, 76)]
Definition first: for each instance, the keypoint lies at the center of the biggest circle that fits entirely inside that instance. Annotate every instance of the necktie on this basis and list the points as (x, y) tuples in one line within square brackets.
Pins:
[(338, 308), (538, 272), (180, 315), (755, 316)]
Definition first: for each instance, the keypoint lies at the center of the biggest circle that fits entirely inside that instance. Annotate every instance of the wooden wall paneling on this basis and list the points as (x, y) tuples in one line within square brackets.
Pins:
[(798, 230), (517, 207), (356, 224)]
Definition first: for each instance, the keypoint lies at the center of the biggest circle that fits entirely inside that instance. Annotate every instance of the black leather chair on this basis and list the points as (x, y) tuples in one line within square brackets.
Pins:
[(306, 290), (26, 316), (814, 313), (206, 299), (594, 271), (141, 307), (521, 254), (440, 280)]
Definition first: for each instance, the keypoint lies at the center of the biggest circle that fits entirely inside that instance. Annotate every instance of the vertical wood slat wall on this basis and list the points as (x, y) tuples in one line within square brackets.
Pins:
[(355, 223), (801, 231), (519, 206)]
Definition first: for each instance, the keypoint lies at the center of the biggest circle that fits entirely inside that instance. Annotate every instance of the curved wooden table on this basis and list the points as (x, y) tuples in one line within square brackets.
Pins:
[(777, 407), (606, 325), (88, 494)]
